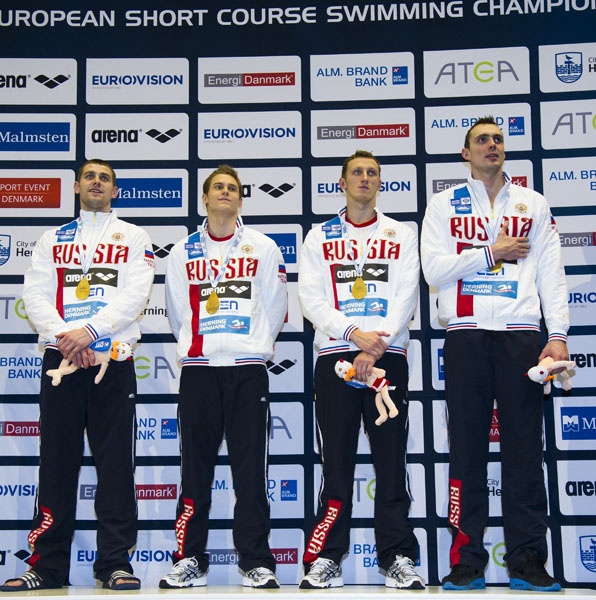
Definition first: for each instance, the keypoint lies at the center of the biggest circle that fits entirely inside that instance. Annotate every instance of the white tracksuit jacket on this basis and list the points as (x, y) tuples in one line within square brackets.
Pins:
[(391, 273), (252, 295), (457, 232)]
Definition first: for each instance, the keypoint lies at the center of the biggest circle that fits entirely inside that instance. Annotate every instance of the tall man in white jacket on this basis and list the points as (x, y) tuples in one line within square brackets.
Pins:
[(227, 300), (87, 284), (492, 249), (358, 285)]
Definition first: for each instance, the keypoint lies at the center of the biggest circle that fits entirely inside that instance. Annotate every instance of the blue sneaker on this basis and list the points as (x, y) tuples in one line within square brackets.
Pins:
[(533, 576), (463, 577)]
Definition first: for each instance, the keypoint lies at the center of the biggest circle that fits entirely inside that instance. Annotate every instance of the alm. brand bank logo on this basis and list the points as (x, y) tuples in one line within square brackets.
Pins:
[(36, 136), (146, 136)]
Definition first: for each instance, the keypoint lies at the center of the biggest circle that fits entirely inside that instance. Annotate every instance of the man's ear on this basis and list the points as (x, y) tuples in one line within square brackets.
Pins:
[(465, 153)]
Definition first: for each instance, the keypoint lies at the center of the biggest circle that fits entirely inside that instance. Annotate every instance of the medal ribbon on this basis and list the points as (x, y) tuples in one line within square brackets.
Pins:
[(235, 241), (358, 265), (86, 256)]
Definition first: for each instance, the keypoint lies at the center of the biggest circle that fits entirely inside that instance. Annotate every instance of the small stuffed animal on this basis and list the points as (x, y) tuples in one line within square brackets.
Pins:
[(104, 352), (541, 373), (376, 382)]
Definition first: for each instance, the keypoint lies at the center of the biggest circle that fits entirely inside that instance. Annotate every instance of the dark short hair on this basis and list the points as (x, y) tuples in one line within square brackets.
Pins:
[(96, 161), (359, 154), (222, 170), (488, 120)]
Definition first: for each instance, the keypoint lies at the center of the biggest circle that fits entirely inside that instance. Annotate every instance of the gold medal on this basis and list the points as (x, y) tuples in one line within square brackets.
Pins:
[(83, 289), (496, 268), (212, 305), (359, 289)]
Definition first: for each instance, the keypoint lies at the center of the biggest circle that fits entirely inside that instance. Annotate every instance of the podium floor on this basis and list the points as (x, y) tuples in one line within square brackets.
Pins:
[(291, 592)]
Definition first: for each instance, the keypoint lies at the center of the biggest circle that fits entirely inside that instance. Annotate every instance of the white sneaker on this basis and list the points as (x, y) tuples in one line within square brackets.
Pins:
[(401, 574), (323, 573), (260, 577), (185, 573)]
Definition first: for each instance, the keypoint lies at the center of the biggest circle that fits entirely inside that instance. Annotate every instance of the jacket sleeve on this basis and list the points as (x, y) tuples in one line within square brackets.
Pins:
[(39, 291), (274, 289), (550, 274), (176, 289), (440, 263), (316, 307), (132, 297), (407, 276)]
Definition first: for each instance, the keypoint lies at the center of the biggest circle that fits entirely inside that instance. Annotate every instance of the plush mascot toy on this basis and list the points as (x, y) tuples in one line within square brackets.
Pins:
[(542, 373), (104, 351), (376, 382)]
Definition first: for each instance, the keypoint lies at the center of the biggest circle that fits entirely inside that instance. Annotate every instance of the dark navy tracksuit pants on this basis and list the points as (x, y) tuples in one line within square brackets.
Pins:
[(340, 409), (481, 366)]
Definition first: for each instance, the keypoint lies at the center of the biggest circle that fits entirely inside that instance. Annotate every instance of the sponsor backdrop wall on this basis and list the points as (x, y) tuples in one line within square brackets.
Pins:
[(168, 90)]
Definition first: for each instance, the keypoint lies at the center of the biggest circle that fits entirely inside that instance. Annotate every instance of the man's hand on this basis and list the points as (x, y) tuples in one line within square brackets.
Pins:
[(557, 350), (363, 365), (510, 248), (371, 342), (70, 343)]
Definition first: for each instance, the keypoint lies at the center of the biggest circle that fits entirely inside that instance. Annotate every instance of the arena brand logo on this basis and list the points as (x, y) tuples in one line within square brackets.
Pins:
[(281, 367), (249, 79), (578, 422), (348, 132), (162, 251), (115, 136), (165, 136), (13, 81), (19, 428), (568, 66), (51, 82), (578, 240), (576, 489), (587, 549), (583, 361), (276, 191)]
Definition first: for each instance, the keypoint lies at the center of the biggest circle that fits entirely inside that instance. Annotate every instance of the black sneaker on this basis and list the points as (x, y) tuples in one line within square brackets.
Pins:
[(533, 576), (463, 577)]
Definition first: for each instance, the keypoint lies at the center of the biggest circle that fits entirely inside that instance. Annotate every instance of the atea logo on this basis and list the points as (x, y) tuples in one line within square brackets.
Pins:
[(578, 422), (484, 71)]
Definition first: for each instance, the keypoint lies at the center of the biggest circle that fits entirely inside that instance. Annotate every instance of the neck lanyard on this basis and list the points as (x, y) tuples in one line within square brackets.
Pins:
[(86, 255), (359, 287), (212, 305)]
